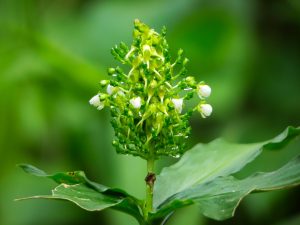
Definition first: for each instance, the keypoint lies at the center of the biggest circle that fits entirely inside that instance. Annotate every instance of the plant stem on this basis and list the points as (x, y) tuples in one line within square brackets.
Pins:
[(150, 179)]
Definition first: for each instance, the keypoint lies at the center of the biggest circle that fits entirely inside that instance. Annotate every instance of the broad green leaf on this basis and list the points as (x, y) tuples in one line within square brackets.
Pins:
[(83, 196), (219, 198), (76, 177), (205, 162), (89, 195)]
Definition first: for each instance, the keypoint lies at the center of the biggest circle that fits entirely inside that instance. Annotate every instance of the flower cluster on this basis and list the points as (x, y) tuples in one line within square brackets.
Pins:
[(147, 102)]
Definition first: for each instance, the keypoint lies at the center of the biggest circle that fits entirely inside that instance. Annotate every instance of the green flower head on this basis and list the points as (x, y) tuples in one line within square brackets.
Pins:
[(147, 100)]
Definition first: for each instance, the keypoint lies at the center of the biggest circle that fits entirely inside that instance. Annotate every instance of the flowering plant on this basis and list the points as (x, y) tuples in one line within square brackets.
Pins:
[(150, 120)]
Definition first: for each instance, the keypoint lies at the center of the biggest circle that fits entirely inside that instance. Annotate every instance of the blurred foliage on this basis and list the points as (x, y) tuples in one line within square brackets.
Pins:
[(53, 53)]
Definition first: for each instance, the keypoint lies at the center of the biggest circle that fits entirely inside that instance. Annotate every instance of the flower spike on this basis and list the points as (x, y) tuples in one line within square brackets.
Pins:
[(147, 102)]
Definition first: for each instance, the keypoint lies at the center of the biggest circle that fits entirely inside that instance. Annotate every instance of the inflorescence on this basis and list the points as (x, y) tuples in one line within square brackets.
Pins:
[(146, 103)]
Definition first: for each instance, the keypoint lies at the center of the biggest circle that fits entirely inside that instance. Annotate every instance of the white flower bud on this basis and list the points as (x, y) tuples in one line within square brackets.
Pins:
[(204, 91), (95, 101), (110, 89), (177, 104), (136, 102), (205, 110), (101, 106)]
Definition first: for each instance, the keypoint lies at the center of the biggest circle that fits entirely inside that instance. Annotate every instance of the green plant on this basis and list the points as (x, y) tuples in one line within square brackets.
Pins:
[(146, 105)]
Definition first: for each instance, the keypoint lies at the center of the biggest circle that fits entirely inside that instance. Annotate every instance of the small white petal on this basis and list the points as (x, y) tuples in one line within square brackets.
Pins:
[(204, 91), (101, 106), (95, 101), (136, 102), (110, 89), (177, 104), (205, 110)]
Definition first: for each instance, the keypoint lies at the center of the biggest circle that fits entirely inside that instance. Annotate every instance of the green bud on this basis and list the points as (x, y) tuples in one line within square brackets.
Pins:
[(153, 84), (124, 46), (153, 108), (162, 108), (136, 33), (146, 52), (185, 61), (180, 52), (137, 61), (103, 97), (190, 81), (130, 114), (103, 83), (161, 92), (158, 123), (115, 143), (119, 70), (111, 71)]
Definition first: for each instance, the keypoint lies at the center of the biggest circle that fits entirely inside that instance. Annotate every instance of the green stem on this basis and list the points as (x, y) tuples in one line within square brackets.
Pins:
[(150, 179), (148, 205)]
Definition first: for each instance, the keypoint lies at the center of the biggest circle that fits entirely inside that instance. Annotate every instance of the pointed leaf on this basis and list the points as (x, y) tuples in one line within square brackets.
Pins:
[(83, 196), (89, 195), (75, 177), (219, 198), (205, 162)]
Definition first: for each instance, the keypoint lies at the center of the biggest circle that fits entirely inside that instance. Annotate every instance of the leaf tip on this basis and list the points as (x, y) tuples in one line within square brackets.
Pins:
[(27, 168)]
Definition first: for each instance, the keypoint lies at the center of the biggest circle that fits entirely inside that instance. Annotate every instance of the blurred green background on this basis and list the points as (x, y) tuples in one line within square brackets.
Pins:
[(54, 53)]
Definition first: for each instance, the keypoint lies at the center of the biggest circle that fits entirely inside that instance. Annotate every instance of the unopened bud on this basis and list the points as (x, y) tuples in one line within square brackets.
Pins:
[(110, 89), (185, 61), (153, 84), (177, 104), (136, 102), (205, 110), (204, 91), (111, 71), (190, 81), (104, 82), (180, 52), (161, 92), (95, 101)]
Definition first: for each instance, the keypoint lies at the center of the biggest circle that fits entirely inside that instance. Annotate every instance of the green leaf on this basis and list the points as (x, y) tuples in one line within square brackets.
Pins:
[(75, 177), (219, 198), (205, 162), (89, 195), (83, 196)]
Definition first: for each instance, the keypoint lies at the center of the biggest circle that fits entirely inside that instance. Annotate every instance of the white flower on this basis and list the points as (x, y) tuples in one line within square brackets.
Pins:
[(136, 102), (204, 91), (95, 101), (110, 89), (101, 106), (177, 104), (205, 110)]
